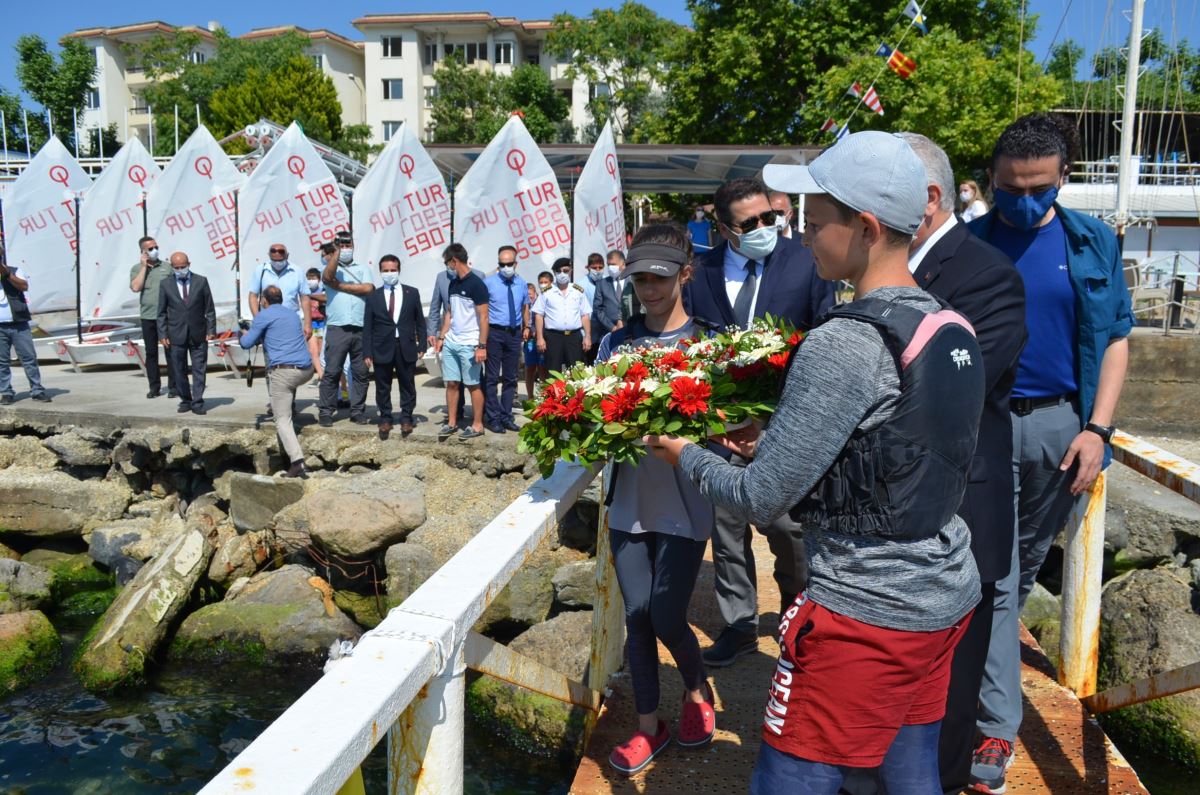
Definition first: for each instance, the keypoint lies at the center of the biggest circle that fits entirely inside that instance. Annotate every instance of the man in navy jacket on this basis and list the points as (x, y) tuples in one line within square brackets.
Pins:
[(393, 340), (753, 272)]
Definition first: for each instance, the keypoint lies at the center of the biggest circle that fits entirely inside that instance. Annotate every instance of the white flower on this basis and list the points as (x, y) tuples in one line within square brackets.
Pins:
[(649, 384), (701, 348), (699, 375), (602, 386)]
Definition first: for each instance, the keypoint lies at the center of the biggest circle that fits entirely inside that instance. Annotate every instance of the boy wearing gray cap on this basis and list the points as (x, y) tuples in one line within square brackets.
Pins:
[(868, 450)]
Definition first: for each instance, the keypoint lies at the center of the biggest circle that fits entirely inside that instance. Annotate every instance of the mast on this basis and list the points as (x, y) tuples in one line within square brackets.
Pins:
[(1126, 176)]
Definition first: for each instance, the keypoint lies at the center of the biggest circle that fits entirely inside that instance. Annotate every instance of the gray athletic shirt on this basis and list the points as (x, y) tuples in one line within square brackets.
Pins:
[(843, 378), (652, 496)]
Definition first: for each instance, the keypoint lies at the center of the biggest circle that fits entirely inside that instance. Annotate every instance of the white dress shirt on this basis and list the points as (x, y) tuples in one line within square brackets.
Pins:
[(399, 299), (914, 259), (735, 276), (563, 310)]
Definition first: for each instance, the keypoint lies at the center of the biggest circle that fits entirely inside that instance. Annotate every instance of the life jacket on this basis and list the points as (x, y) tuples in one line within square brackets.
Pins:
[(905, 479)]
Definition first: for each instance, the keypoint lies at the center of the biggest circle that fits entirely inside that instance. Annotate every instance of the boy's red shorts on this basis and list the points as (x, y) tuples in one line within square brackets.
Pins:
[(842, 688)]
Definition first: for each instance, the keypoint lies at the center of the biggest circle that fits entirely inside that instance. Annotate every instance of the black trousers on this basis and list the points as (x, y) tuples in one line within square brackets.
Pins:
[(153, 376), (340, 342), (563, 350), (962, 701), (403, 372), (178, 356), (500, 370)]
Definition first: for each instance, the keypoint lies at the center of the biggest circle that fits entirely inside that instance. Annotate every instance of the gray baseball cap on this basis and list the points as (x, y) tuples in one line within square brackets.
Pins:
[(870, 171)]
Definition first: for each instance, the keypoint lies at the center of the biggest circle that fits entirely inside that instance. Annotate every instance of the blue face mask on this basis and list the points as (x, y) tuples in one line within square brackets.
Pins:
[(759, 243), (1024, 212)]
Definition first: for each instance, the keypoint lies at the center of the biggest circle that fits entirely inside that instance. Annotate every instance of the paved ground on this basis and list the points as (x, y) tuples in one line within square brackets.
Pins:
[(110, 395)]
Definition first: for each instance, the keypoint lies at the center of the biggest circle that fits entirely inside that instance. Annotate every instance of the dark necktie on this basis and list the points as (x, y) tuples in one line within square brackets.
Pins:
[(512, 306), (745, 296), (185, 290), (392, 303)]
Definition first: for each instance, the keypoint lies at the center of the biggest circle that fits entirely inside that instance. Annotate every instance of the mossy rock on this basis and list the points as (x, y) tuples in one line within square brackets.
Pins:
[(367, 611), (530, 722), (72, 573), (87, 603), (29, 649), (1159, 726)]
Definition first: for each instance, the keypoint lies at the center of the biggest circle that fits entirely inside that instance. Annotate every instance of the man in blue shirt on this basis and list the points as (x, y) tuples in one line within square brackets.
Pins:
[(1069, 378), (278, 329), (279, 272), (348, 285), (508, 322)]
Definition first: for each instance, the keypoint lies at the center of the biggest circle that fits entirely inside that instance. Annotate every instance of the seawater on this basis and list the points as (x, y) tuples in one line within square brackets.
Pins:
[(174, 734)]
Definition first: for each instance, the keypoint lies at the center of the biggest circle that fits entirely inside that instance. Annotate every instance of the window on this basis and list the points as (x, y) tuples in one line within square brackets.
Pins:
[(597, 90), (139, 104), (431, 54), (393, 88), (390, 128), (450, 49), (504, 52), (318, 61), (566, 94), (476, 51), (92, 101), (392, 46), (197, 57), (533, 56), (430, 95)]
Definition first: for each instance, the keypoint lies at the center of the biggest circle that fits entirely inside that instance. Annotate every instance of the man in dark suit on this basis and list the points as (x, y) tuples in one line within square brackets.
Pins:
[(606, 304), (393, 340), (980, 282), (187, 320), (753, 272)]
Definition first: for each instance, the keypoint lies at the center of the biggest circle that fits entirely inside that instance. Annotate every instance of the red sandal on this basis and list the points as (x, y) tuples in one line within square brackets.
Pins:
[(697, 722), (634, 754)]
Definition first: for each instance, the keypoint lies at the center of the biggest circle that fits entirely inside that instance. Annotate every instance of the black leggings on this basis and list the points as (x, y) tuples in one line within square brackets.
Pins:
[(657, 573)]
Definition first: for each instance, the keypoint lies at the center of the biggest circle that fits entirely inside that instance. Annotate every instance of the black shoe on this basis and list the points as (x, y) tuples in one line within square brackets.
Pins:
[(184, 408), (343, 404), (271, 411), (42, 397), (325, 421), (511, 424), (730, 645), (495, 428), (360, 420), (153, 393), (198, 408), (7, 400), (296, 470), (172, 393)]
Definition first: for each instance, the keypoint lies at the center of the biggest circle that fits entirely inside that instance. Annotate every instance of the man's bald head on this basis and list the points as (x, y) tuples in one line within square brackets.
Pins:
[(180, 260), (780, 201)]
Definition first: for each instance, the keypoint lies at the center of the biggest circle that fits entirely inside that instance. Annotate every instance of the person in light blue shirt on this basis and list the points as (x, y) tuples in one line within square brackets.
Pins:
[(278, 328), (508, 321), (347, 285), (293, 286)]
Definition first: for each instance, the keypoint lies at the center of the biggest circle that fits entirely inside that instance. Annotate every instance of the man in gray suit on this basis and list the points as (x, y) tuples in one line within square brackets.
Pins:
[(187, 320)]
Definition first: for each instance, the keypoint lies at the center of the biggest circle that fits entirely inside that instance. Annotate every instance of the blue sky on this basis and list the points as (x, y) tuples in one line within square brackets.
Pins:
[(1084, 20)]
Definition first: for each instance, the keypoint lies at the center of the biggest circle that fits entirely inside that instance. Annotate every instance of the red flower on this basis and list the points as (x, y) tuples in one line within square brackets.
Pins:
[(618, 406), (571, 409), (674, 360), (547, 408), (795, 339), (689, 396), (555, 390), (637, 373), (745, 373), (778, 360)]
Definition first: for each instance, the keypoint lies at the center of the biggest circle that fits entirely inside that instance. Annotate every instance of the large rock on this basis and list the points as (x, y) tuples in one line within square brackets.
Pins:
[(107, 542), (354, 517), (277, 617), (534, 723), (23, 586), (575, 584), (255, 499), (50, 504), (529, 595), (25, 451), (1149, 626), (1042, 616), (118, 648), (80, 448), (29, 649), (407, 566), (70, 574), (1154, 537), (444, 536), (157, 537), (8, 552), (239, 554)]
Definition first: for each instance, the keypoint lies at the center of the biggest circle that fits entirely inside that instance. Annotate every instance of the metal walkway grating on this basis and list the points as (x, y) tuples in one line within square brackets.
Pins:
[(1061, 749)]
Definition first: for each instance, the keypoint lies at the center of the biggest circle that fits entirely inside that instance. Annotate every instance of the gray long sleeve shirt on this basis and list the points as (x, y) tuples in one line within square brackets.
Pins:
[(844, 378)]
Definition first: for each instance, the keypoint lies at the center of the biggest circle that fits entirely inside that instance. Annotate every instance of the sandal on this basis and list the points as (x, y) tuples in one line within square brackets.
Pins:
[(634, 754), (697, 722)]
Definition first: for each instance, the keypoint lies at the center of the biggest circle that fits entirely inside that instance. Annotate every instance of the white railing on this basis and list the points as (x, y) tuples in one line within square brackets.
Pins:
[(405, 678), (1169, 285), (1103, 172)]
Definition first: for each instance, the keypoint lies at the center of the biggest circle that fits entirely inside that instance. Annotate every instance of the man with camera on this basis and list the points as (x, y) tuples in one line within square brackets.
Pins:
[(279, 330), (348, 285)]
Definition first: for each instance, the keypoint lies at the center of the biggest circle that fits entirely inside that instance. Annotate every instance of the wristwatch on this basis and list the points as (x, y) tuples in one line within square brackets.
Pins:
[(1105, 432), (481, 346)]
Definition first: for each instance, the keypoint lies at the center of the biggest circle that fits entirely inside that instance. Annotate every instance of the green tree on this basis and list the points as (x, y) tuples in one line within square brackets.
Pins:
[(529, 90), (625, 50), (1064, 60), (14, 128), (470, 105), (293, 91), (60, 85)]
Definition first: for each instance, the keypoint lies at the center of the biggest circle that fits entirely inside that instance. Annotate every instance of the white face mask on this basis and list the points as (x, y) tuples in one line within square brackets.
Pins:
[(452, 272), (182, 273), (966, 196), (390, 278), (314, 284), (561, 278), (699, 215), (346, 256), (595, 276), (781, 221), (280, 265), (614, 271), (757, 244), (152, 254), (508, 271)]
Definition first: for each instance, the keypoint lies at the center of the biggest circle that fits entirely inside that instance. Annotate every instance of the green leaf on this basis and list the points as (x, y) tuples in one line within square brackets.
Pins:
[(614, 428)]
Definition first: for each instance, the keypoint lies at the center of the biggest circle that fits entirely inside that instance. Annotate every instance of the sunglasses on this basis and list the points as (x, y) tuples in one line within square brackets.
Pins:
[(278, 251), (755, 221)]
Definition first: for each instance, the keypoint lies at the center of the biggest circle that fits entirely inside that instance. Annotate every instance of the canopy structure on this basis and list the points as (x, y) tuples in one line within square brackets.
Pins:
[(645, 168)]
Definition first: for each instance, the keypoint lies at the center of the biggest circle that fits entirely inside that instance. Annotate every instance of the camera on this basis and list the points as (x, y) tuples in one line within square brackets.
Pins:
[(244, 325), (328, 248)]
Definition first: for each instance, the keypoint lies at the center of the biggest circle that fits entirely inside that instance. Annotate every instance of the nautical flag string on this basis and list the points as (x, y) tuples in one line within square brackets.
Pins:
[(855, 90), (871, 100), (901, 64), (913, 12), (829, 125), (842, 133)]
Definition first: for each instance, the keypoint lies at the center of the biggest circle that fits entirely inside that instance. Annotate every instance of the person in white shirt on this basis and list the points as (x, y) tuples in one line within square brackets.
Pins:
[(973, 205), (562, 320)]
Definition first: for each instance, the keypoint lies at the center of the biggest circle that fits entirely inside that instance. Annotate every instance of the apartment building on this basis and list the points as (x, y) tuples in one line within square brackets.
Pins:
[(384, 80)]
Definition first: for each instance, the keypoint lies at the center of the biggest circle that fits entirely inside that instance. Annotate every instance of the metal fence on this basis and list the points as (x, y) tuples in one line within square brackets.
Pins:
[(405, 678), (1149, 172), (1083, 561), (1165, 292)]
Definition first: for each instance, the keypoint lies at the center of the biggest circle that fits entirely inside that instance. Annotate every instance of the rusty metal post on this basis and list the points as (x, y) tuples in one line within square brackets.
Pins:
[(425, 747), (1083, 561), (608, 613), (1167, 683)]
